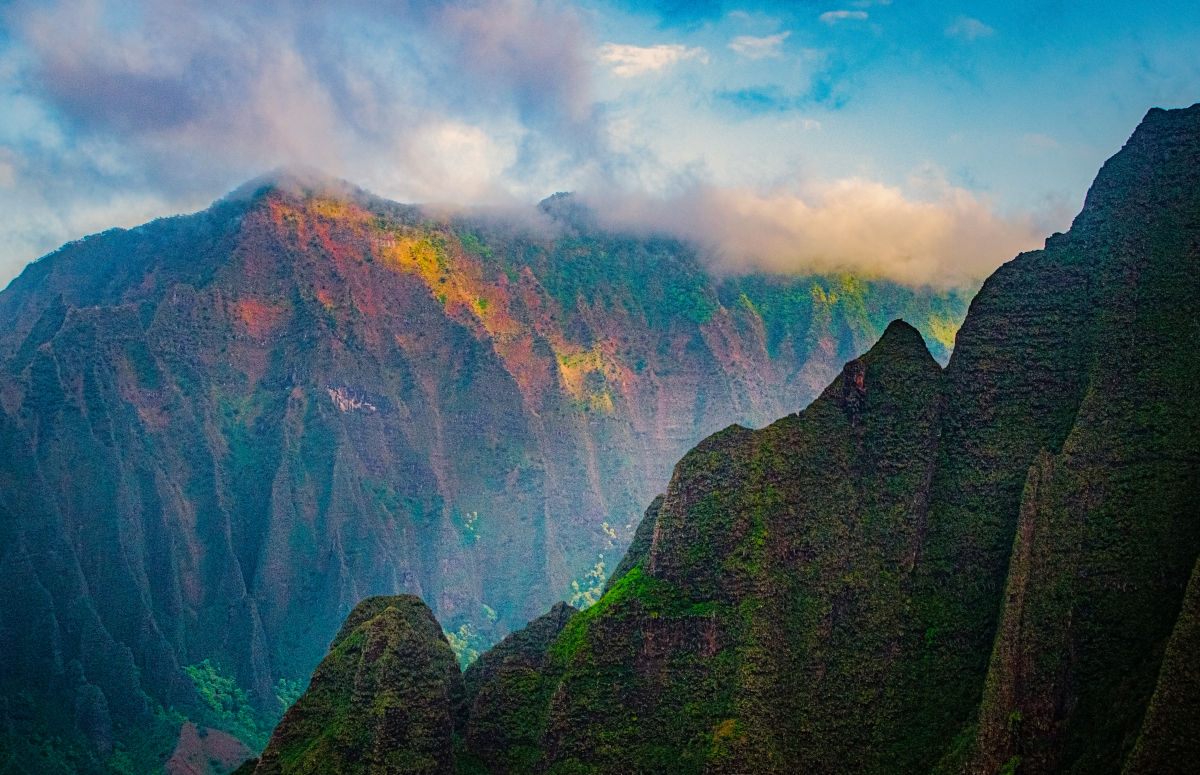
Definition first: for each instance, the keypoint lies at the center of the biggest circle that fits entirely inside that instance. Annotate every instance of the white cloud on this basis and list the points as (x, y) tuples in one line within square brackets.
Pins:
[(807, 124), (630, 61), (833, 17), (968, 29), (948, 237), (163, 105), (1037, 142), (463, 159), (759, 48)]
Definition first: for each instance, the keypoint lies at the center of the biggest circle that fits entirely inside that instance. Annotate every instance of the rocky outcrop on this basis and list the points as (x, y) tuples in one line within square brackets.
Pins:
[(202, 751)]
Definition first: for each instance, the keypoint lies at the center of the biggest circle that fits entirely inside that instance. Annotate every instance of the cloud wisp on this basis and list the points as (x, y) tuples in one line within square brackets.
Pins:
[(949, 238), (759, 48), (1031, 143), (631, 61), (833, 17), (968, 29)]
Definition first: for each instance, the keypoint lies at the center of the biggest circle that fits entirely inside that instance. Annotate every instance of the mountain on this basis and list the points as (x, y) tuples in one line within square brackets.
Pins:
[(508, 689), (988, 568), (221, 431), (385, 699)]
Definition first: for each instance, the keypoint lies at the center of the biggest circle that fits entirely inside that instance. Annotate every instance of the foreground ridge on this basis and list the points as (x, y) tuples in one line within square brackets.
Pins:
[(985, 569)]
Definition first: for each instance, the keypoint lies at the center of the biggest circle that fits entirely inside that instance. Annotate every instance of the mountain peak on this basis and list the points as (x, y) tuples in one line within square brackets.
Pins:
[(1164, 147), (298, 180), (566, 208), (900, 340), (390, 673), (899, 356)]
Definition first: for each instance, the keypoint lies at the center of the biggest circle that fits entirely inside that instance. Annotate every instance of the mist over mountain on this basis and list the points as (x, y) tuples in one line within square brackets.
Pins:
[(780, 439), (989, 568), (796, 114), (224, 430)]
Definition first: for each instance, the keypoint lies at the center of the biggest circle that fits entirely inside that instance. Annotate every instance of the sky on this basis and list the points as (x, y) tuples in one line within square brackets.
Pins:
[(923, 141)]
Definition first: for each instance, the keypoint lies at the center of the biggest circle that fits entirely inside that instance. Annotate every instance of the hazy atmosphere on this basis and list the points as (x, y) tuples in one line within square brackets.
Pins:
[(927, 142), (599, 387)]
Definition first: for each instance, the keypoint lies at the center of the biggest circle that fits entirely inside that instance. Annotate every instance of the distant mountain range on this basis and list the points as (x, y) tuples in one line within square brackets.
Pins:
[(991, 568), (221, 431)]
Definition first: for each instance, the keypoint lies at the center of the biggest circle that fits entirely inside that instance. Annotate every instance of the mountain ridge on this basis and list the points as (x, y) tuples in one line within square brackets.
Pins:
[(225, 429), (987, 569)]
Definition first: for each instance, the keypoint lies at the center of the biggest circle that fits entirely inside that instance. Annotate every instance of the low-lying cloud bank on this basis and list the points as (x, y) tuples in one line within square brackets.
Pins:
[(120, 111), (949, 238)]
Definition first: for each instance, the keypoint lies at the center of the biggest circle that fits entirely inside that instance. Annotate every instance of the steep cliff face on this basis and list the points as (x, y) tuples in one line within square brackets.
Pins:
[(1168, 743), (772, 604), (978, 570), (1111, 520), (639, 547), (221, 431)]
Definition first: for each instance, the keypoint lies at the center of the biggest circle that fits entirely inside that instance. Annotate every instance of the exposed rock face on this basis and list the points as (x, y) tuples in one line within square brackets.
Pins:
[(205, 752), (384, 701), (221, 431), (978, 570)]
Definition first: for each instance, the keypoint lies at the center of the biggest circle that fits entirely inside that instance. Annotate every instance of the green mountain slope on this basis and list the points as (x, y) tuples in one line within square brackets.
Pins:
[(983, 569), (221, 431), (1109, 523), (509, 689), (1066, 408), (385, 699)]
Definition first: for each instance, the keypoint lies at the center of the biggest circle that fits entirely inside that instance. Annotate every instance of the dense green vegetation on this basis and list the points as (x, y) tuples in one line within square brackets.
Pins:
[(509, 690), (991, 568), (221, 430), (227, 705), (385, 699)]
